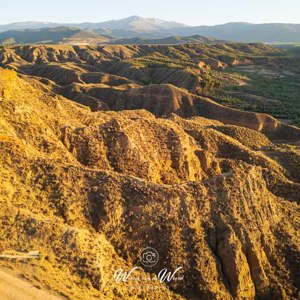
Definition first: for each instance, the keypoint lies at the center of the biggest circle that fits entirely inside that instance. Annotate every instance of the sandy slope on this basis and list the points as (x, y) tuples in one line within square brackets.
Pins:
[(12, 288)]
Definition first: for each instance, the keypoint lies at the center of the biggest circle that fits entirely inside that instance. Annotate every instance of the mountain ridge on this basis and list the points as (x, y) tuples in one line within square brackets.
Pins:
[(92, 25), (136, 26)]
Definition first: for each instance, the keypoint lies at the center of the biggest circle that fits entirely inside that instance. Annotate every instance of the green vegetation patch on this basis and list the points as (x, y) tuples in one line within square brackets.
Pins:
[(277, 91)]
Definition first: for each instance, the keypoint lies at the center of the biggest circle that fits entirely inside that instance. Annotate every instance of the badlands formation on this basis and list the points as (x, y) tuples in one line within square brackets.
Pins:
[(103, 155)]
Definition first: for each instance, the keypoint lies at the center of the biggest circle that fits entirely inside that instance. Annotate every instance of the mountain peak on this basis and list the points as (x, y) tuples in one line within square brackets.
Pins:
[(134, 17), (139, 24)]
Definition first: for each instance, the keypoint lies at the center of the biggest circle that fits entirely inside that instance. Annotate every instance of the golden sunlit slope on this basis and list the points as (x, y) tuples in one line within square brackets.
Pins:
[(89, 190)]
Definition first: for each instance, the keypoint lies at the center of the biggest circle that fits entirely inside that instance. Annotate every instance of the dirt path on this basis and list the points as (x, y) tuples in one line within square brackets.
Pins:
[(13, 288)]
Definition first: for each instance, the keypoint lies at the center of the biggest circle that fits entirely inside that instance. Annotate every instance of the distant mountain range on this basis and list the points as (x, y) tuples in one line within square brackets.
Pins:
[(247, 32), (75, 36), (143, 30), (133, 23), (57, 35), (170, 40)]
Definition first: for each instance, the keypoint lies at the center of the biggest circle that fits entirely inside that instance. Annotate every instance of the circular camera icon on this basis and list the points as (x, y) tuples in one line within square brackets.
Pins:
[(149, 257)]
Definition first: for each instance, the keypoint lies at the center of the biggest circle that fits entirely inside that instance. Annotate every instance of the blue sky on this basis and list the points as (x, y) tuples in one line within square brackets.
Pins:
[(191, 12)]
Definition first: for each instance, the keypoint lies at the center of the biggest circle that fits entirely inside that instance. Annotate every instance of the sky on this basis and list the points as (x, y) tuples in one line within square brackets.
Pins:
[(190, 12)]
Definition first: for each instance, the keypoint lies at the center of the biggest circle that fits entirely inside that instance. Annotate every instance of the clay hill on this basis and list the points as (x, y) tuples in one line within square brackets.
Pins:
[(108, 150)]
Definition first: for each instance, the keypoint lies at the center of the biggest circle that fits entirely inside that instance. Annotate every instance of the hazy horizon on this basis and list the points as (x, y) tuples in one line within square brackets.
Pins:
[(115, 19), (191, 12)]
